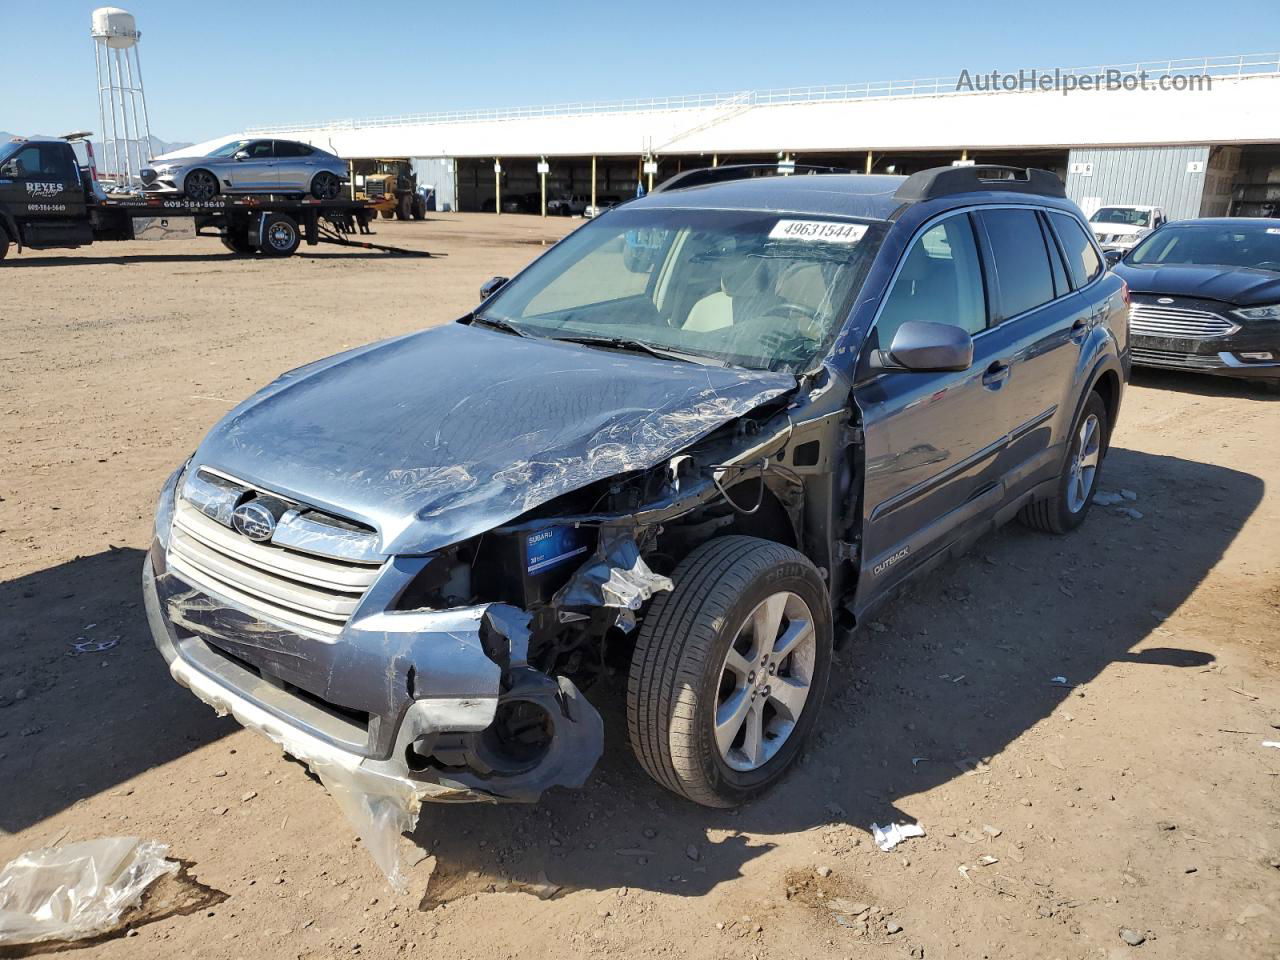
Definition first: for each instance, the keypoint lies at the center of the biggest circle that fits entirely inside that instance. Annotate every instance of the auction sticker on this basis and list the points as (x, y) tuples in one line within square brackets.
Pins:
[(818, 231)]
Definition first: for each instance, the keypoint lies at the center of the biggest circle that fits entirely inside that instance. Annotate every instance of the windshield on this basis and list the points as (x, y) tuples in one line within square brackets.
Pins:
[(227, 149), (1228, 244), (744, 288), (1127, 216)]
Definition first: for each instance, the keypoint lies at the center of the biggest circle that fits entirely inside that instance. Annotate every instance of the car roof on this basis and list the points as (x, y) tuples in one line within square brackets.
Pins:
[(868, 196)]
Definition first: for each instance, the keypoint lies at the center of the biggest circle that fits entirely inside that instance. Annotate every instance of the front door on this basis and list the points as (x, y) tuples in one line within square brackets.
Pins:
[(255, 173), (932, 440), (40, 180)]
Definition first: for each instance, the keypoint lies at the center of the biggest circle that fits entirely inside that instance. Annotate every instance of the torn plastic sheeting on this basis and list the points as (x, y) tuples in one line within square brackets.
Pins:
[(887, 838), (76, 891), (615, 576)]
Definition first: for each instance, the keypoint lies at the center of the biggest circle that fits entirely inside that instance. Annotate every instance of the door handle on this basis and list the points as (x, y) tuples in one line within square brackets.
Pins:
[(995, 374)]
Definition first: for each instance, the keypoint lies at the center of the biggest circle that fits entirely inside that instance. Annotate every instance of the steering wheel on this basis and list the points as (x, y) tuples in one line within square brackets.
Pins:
[(805, 325)]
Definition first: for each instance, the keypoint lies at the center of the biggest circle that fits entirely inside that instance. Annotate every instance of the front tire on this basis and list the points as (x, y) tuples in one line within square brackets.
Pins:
[(404, 207), (729, 670), (4, 243), (1069, 505), (325, 186), (201, 186), (419, 208)]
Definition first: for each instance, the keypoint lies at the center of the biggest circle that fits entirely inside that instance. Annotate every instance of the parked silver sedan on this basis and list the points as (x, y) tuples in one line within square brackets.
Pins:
[(250, 166)]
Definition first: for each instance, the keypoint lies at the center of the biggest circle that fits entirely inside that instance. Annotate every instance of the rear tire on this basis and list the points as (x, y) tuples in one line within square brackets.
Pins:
[(1069, 505), (201, 186), (238, 243), (4, 243), (280, 235), (388, 214), (325, 186), (714, 713), (404, 207), (419, 208)]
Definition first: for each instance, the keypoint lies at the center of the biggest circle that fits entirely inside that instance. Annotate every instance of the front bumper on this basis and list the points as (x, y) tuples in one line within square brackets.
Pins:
[(380, 705), (1173, 345)]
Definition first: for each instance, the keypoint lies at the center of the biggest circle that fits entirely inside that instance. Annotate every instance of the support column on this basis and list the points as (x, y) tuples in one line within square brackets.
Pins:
[(542, 175), (869, 164), (497, 185), (593, 185), (715, 160)]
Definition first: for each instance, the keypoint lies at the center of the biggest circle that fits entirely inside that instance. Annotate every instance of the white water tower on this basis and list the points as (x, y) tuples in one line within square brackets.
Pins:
[(122, 104)]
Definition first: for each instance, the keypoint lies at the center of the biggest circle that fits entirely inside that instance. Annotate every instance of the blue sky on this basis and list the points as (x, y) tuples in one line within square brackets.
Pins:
[(213, 68)]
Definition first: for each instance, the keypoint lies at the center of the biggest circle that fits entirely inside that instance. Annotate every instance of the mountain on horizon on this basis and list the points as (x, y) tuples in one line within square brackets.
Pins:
[(158, 146)]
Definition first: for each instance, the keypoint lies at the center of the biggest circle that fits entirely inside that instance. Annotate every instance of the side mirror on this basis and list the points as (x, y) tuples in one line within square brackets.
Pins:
[(242, 154), (492, 286), (1112, 257), (922, 346), (10, 169)]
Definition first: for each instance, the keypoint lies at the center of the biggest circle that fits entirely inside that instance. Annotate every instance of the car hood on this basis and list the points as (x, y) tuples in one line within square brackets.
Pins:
[(440, 435), (1123, 229), (1241, 286)]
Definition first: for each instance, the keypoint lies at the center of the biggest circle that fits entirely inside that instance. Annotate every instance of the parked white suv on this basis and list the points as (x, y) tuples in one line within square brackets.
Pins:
[(1119, 227)]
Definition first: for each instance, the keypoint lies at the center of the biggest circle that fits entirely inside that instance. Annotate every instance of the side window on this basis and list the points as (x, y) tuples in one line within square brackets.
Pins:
[(1082, 258), (1060, 284), (41, 161), (1021, 260), (940, 282), (260, 149), (287, 148)]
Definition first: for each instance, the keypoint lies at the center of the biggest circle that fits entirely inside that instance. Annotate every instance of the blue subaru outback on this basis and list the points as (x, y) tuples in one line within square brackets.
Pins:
[(699, 439)]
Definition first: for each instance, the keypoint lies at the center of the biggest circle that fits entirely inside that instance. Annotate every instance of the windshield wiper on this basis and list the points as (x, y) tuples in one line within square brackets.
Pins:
[(642, 346), (497, 323)]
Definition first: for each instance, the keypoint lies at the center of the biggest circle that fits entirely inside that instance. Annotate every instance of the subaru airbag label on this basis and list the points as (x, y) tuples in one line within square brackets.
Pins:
[(552, 547)]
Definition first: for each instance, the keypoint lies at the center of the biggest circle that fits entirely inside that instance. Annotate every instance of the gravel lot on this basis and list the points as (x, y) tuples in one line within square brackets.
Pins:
[(1130, 812)]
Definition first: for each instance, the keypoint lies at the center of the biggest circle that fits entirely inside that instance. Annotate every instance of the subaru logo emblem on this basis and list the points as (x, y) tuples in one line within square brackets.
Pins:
[(1165, 300), (254, 520)]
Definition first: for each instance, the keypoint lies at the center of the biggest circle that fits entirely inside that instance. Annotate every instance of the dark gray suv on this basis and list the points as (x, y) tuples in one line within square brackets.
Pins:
[(699, 439)]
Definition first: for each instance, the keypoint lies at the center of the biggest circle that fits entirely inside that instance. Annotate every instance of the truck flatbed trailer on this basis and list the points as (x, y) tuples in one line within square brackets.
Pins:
[(48, 200)]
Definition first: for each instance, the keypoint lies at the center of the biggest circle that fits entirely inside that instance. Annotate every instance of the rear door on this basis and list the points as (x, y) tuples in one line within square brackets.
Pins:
[(932, 440), (1040, 325), (40, 180), (295, 166)]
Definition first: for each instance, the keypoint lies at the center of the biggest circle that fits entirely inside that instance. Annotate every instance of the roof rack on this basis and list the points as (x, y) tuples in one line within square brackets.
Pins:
[(945, 181), (739, 171)]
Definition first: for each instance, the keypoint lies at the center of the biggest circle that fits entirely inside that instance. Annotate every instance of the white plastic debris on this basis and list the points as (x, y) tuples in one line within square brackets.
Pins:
[(887, 838), (1060, 681), (76, 891), (1271, 743), (1107, 499)]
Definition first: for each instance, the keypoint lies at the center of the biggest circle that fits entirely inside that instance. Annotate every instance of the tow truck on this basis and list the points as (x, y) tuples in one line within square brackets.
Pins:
[(49, 199)]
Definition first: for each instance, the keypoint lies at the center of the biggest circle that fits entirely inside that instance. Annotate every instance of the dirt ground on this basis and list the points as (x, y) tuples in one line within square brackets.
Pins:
[(1134, 800)]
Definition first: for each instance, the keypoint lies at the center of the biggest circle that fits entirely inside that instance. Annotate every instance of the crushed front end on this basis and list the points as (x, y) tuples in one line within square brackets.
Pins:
[(375, 666)]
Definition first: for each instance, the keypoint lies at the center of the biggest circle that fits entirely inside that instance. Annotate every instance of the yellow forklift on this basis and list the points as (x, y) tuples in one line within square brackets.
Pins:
[(388, 186)]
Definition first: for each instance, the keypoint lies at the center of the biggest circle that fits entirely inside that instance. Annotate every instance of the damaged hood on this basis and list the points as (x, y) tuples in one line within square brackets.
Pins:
[(440, 435)]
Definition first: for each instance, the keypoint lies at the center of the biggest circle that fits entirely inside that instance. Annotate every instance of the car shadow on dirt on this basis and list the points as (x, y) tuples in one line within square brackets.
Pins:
[(86, 702), (131, 259), (944, 678)]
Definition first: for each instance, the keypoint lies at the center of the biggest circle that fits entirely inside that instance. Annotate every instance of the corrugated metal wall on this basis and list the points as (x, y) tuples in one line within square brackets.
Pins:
[(1154, 175), (437, 172)]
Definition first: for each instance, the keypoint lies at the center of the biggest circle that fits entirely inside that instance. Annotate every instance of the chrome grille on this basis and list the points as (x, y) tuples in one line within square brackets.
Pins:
[(1176, 360), (301, 591), (1158, 320)]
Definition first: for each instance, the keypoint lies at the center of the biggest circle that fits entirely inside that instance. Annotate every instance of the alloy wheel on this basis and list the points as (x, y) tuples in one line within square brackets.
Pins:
[(1084, 463), (765, 681), (201, 186)]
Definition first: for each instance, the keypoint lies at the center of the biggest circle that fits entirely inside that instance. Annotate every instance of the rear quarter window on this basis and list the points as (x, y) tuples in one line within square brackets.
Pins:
[(1082, 259)]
